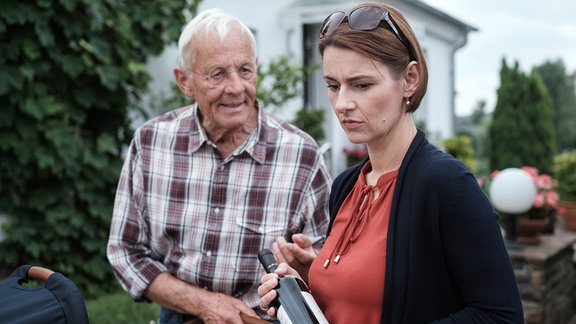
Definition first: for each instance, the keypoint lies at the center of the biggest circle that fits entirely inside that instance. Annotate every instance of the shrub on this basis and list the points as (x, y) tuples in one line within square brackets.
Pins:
[(69, 74), (564, 169)]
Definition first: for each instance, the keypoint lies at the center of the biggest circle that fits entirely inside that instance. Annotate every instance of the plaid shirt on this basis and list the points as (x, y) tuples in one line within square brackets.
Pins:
[(180, 207)]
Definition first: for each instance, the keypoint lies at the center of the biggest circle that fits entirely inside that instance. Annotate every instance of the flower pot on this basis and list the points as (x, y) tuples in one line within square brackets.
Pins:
[(529, 230), (568, 213)]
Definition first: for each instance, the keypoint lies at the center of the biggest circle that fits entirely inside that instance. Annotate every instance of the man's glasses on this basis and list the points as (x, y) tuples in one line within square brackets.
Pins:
[(364, 18), (218, 74)]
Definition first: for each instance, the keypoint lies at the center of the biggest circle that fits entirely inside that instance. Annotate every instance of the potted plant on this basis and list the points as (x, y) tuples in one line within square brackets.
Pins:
[(545, 206), (564, 169), (540, 217)]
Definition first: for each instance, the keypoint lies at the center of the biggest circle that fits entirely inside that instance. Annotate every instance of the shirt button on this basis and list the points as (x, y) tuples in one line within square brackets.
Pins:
[(217, 211), (261, 229), (209, 253)]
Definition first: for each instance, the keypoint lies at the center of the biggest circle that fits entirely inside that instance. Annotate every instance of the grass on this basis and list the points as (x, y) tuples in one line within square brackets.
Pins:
[(120, 308)]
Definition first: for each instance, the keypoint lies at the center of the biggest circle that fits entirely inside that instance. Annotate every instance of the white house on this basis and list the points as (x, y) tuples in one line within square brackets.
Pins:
[(290, 28)]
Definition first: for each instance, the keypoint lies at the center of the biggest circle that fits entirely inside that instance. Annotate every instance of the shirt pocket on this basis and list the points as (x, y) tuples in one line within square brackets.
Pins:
[(268, 227)]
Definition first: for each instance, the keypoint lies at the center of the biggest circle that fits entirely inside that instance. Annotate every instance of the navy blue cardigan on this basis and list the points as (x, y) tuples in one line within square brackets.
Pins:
[(446, 260)]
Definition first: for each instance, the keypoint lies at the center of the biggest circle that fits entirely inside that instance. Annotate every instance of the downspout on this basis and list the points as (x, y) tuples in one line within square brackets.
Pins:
[(458, 45)]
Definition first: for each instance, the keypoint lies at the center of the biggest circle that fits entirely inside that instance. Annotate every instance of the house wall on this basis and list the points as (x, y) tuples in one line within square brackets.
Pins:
[(279, 27)]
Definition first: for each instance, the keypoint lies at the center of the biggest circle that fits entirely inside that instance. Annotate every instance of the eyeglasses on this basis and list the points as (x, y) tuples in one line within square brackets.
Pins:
[(364, 18), (218, 74)]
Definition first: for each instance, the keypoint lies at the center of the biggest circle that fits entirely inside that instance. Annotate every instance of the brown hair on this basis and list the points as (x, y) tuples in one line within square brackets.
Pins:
[(382, 45)]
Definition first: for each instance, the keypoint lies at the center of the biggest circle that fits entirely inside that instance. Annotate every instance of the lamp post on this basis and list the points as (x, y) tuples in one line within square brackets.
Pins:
[(512, 192)]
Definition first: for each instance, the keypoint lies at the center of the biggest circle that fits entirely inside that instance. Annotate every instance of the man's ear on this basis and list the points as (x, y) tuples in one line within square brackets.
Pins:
[(183, 83)]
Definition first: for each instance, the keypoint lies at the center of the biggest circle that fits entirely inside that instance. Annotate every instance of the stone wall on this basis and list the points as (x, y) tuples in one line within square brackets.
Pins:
[(546, 276)]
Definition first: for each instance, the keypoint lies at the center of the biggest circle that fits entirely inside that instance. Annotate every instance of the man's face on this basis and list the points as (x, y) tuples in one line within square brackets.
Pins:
[(222, 79)]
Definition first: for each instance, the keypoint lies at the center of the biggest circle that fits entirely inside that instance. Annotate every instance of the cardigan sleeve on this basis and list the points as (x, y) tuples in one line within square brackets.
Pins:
[(475, 254), (446, 257)]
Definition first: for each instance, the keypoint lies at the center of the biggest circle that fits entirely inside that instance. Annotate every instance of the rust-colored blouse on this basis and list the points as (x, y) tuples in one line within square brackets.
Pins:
[(347, 276)]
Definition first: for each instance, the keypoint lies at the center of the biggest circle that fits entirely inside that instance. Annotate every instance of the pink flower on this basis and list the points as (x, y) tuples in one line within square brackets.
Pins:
[(359, 152), (539, 200), (494, 174), (546, 197), (532, 171), (544, 182), (552, 198)]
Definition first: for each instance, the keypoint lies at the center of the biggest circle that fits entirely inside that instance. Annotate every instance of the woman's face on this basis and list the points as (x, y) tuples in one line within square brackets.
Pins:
[(367, 99)]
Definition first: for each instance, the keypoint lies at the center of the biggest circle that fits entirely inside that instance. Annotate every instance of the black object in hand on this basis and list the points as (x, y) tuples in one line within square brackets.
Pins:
[(294, 304)]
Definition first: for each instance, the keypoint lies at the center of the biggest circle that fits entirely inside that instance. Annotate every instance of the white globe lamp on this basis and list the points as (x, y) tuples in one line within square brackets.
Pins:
[(512, 192)]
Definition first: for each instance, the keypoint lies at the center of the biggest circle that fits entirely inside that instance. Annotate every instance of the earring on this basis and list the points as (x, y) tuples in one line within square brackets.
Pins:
[(407, 102)]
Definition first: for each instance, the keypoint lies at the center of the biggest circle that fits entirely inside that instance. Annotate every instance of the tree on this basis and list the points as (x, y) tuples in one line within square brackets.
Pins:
[(561, 87), (522, 128), (479, 112), (69, 72)]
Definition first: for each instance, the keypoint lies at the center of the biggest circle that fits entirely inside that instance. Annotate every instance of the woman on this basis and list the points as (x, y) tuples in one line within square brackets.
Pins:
[(413, 239)]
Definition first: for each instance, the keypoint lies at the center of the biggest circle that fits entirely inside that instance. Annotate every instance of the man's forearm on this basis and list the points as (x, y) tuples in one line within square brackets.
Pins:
[(175, 294)]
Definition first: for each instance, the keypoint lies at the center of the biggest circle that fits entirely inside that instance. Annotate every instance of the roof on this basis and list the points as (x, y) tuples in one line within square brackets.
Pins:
[(302, 4), (440, 14)]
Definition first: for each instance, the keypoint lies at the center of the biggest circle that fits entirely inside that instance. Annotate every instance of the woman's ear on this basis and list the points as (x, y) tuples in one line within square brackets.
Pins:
[(182, 81), (411, 78)]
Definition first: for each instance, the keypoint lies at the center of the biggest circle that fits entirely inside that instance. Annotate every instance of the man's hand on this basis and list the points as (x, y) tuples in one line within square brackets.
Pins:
[(221, 308), (170, 292)]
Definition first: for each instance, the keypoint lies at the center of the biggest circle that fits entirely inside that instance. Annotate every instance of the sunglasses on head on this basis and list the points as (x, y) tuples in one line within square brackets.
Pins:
[(364, 18)]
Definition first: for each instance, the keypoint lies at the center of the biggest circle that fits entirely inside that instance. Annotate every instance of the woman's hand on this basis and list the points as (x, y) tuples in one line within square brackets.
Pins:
[(267, 284), (300, 254)]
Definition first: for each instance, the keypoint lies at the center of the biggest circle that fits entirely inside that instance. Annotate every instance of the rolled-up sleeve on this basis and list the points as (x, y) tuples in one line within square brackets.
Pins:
[(128, 248)]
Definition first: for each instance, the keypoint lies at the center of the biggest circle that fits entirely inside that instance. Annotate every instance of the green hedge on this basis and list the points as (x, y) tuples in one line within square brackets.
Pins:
[(69, 72)]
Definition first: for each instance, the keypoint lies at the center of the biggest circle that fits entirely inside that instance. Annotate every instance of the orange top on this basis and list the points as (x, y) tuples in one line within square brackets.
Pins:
[(347, 276)]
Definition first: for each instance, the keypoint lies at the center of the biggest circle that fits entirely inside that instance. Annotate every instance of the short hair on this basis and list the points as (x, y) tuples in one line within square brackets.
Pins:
[(382, 45), (214, 21)]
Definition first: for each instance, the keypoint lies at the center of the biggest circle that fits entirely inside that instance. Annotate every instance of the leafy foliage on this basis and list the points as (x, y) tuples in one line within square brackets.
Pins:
[(280, 81), (461, 148), (69, 71), (562, 88), (565, 171), (311, 121), (522, 129)]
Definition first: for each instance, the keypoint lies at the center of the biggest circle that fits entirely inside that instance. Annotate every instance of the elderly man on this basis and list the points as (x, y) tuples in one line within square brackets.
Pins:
[(205, 187)]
